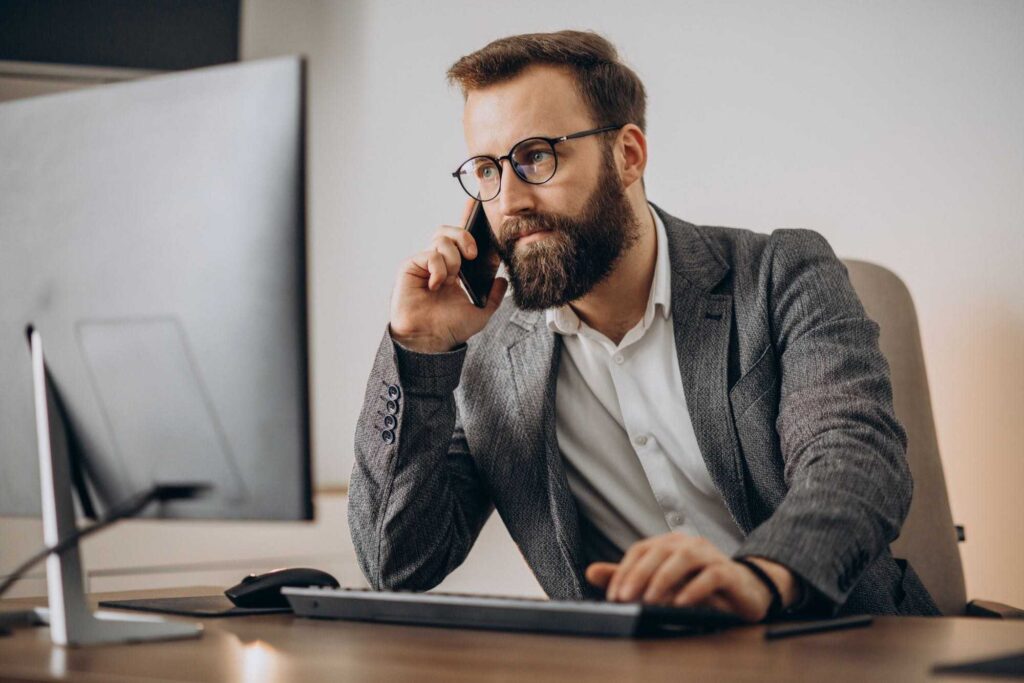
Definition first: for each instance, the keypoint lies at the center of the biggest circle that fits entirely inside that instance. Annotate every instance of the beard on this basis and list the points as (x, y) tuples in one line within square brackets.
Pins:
[(580, 252)]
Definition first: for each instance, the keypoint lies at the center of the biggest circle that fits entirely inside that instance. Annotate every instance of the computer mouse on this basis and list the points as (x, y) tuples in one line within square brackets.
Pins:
[(264, 590)]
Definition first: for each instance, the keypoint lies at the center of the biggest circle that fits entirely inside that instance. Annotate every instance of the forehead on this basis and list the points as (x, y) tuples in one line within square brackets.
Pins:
[(542, 100)]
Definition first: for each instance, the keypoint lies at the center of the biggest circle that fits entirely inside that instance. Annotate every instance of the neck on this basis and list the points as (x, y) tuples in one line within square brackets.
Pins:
[(617, 303)]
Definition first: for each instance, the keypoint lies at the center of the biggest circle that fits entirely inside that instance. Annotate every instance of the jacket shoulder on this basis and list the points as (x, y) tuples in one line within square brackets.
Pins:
[(746, 252), (740, 261)]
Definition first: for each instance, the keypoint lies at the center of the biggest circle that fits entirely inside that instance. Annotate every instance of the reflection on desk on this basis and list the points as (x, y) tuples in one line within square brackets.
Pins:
[(282, 648)]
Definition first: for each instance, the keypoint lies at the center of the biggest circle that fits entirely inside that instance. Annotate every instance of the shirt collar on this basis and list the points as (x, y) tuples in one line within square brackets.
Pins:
[(564, 320)]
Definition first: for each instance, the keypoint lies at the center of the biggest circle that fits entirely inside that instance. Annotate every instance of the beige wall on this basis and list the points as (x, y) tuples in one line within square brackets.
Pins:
[(892, 128)]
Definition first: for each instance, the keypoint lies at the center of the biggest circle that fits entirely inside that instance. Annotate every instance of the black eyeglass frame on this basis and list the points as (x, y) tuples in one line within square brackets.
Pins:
[(551, 142)]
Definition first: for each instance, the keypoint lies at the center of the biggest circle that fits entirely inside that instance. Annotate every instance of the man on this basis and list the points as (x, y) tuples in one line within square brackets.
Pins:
[(663, 412)]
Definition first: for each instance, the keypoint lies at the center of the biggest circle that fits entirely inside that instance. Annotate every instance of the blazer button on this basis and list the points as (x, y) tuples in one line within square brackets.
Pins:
[(394, 392), (388, 436), (392, 407), (390, 422)]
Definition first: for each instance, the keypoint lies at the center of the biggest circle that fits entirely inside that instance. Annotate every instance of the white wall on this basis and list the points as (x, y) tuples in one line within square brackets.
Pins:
[(894, 128)]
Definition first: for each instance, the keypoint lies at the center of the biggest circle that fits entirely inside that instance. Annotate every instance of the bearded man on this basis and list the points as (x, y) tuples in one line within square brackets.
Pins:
[(660, 412)]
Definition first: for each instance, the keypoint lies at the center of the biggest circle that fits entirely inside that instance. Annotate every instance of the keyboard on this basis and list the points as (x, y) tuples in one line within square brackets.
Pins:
[(584, 617)]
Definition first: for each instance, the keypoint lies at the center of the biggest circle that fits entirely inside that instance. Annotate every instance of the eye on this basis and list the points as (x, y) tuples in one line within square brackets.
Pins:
[(486, 172), (538, 156)]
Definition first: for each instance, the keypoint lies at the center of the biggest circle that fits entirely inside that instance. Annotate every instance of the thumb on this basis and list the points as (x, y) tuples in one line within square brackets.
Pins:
[(498, 290), (600, 573)]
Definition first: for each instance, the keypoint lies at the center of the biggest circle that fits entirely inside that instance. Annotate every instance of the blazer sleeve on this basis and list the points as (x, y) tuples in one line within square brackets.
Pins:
[(416, 502), (848, 482)]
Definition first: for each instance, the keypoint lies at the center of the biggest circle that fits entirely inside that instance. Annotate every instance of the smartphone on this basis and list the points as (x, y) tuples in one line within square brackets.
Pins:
[(477, 275)]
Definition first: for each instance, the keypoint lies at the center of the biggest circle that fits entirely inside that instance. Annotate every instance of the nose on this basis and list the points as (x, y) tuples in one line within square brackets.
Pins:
[(516, 195)]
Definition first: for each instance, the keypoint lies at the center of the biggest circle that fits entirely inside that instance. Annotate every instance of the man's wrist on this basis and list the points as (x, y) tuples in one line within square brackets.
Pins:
[(790, 589), (420, 344)]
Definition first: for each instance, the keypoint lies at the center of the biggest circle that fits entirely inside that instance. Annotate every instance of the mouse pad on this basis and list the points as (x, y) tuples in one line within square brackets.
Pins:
[(200, 606)]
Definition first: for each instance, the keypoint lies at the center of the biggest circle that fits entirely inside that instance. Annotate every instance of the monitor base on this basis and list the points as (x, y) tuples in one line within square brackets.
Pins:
[(71, 620), (103, 627)]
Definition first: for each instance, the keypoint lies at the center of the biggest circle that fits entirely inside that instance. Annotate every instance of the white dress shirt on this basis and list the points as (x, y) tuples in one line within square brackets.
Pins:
[(631, 456)]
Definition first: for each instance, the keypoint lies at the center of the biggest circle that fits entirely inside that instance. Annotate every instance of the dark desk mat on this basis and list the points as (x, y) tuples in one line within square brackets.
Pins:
[(207, 606)]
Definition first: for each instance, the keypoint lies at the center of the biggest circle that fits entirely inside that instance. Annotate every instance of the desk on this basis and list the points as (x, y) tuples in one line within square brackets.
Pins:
[(283, 648)]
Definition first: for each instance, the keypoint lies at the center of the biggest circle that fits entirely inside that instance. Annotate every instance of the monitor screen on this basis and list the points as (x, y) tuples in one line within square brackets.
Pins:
[(153, 232)]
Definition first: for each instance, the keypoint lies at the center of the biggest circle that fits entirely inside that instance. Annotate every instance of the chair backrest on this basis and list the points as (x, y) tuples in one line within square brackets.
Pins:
[(928, 539)]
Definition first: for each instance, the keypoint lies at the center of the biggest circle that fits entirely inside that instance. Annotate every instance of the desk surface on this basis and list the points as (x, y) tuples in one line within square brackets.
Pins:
[(283, 648)]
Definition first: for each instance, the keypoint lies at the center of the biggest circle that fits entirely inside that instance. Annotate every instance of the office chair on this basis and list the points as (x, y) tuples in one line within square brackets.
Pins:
[(929, 537)]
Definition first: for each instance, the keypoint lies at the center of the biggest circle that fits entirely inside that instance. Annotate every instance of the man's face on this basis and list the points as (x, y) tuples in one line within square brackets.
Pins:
[(561, 238)]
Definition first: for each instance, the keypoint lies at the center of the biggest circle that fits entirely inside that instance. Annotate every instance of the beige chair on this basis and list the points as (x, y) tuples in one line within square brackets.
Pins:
[(929, 537)]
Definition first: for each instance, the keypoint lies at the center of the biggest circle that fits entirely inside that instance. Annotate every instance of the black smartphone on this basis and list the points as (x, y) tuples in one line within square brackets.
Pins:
[(477, 275)]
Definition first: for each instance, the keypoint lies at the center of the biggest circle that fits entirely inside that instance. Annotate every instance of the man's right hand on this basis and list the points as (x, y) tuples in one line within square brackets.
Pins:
[(429, 311)]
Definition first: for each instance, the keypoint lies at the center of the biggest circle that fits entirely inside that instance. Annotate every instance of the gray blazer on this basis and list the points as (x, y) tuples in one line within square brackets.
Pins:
[(787, 390)]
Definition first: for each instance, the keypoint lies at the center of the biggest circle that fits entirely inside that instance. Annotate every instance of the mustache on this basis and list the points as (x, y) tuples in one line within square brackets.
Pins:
[(514, 228)]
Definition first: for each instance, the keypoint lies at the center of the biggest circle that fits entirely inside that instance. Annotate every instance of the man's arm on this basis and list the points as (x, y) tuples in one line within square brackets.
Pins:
[(415, 499), (849, 485), (848, 482), (416, 504)]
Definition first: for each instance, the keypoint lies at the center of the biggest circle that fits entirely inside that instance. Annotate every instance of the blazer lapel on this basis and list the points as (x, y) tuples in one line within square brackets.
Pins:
[(702, 323), (533, 357)]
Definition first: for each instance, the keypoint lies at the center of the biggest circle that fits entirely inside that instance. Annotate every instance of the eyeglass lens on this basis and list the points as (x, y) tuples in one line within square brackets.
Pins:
[(533, 160)]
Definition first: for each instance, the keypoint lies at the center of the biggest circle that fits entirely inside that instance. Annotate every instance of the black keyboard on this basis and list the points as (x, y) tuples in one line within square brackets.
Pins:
[(584, 617)]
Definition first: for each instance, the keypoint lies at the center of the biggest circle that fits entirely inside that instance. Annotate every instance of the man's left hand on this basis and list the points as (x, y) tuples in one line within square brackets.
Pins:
[(683, 571)]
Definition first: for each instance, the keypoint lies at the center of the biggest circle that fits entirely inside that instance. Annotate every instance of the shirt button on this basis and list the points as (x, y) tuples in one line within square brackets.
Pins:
[(388, 436), (640, 440), (675, 519), (618, 359)]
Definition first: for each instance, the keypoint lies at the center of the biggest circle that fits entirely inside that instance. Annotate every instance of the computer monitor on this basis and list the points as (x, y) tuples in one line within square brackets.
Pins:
[(153, 233), (153, 326)]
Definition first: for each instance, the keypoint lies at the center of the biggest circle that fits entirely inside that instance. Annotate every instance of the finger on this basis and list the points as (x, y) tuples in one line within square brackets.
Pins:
[(728, 582), (467, 210), (498, 289), (634, 579), (462, 238), (681, 566), (438, 270), (701, 587), (452, 258), (600, 573), (417, 266), (716, 601), (635, 552)]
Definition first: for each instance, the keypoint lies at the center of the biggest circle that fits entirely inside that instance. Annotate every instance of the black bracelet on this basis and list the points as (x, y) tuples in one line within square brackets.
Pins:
[(775, 608)]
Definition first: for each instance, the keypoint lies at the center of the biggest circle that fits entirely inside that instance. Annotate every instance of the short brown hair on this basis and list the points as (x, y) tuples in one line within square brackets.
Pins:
[(612, 91)]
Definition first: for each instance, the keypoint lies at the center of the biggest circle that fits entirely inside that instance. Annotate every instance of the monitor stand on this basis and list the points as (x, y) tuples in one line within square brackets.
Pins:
[(70, 619)]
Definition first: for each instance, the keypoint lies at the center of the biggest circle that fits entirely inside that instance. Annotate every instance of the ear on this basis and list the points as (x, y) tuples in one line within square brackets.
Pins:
[(631, 154)]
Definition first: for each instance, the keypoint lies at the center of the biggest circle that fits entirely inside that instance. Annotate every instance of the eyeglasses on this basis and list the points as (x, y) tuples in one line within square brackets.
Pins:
[(533, 160)]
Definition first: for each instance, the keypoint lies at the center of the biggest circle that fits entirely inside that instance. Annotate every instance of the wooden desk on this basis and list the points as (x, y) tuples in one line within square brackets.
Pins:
[(282, 648)]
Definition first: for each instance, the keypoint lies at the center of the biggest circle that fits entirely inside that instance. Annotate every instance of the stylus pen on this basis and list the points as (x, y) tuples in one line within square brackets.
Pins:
[(804, 627)]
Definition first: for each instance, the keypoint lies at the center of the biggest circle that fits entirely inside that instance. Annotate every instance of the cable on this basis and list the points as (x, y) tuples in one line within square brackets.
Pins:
[(127, 508)]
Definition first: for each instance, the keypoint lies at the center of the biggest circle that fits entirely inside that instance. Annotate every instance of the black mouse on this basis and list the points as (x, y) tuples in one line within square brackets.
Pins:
[(264, 590)]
